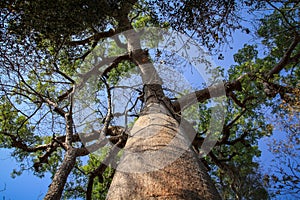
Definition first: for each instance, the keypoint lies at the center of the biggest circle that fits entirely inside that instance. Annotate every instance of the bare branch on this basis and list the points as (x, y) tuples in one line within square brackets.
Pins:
[(97, 71), (63, 74), (205, 94)]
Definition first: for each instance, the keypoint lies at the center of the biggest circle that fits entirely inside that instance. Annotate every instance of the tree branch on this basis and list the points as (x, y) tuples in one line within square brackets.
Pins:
[(282, 13), (44, 158), (200, 96), (227, 127), (21, 145), (96, 37), (112, 62), (286, 59)]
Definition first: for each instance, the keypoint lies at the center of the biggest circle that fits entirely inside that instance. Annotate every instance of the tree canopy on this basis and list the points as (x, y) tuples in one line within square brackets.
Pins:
[(49, 49)]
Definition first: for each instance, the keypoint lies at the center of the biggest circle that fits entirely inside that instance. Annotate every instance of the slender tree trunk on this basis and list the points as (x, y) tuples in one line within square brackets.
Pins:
[(56, 188), (158, 162)]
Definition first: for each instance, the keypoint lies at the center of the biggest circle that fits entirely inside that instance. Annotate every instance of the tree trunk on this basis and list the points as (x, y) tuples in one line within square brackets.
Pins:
[(57, 186), (158, 162)]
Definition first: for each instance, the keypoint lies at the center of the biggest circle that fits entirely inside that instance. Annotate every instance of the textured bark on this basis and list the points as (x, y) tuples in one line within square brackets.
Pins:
[(158, 163), (56, 188)]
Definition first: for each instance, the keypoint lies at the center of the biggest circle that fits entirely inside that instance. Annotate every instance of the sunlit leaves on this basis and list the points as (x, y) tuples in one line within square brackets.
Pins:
[(279, 27), (13, 122), (102, 182), (277, 31), (246, 54)]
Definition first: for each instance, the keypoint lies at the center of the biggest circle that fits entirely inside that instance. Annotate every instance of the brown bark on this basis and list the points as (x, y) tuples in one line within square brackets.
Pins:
[(158, 163), (56, 187)]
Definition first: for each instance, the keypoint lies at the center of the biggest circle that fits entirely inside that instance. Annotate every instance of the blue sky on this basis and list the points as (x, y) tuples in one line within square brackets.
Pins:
[(22, 187)]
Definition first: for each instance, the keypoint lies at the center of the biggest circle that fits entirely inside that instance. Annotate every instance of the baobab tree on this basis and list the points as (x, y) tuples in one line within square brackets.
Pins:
[(63, 62)]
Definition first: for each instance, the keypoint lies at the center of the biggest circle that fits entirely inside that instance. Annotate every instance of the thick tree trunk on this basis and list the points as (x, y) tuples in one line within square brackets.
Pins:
[(158, 162)]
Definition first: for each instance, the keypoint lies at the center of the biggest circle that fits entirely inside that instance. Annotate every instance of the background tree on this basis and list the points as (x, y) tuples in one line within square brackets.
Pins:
[(284, 180), (45, 45)]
